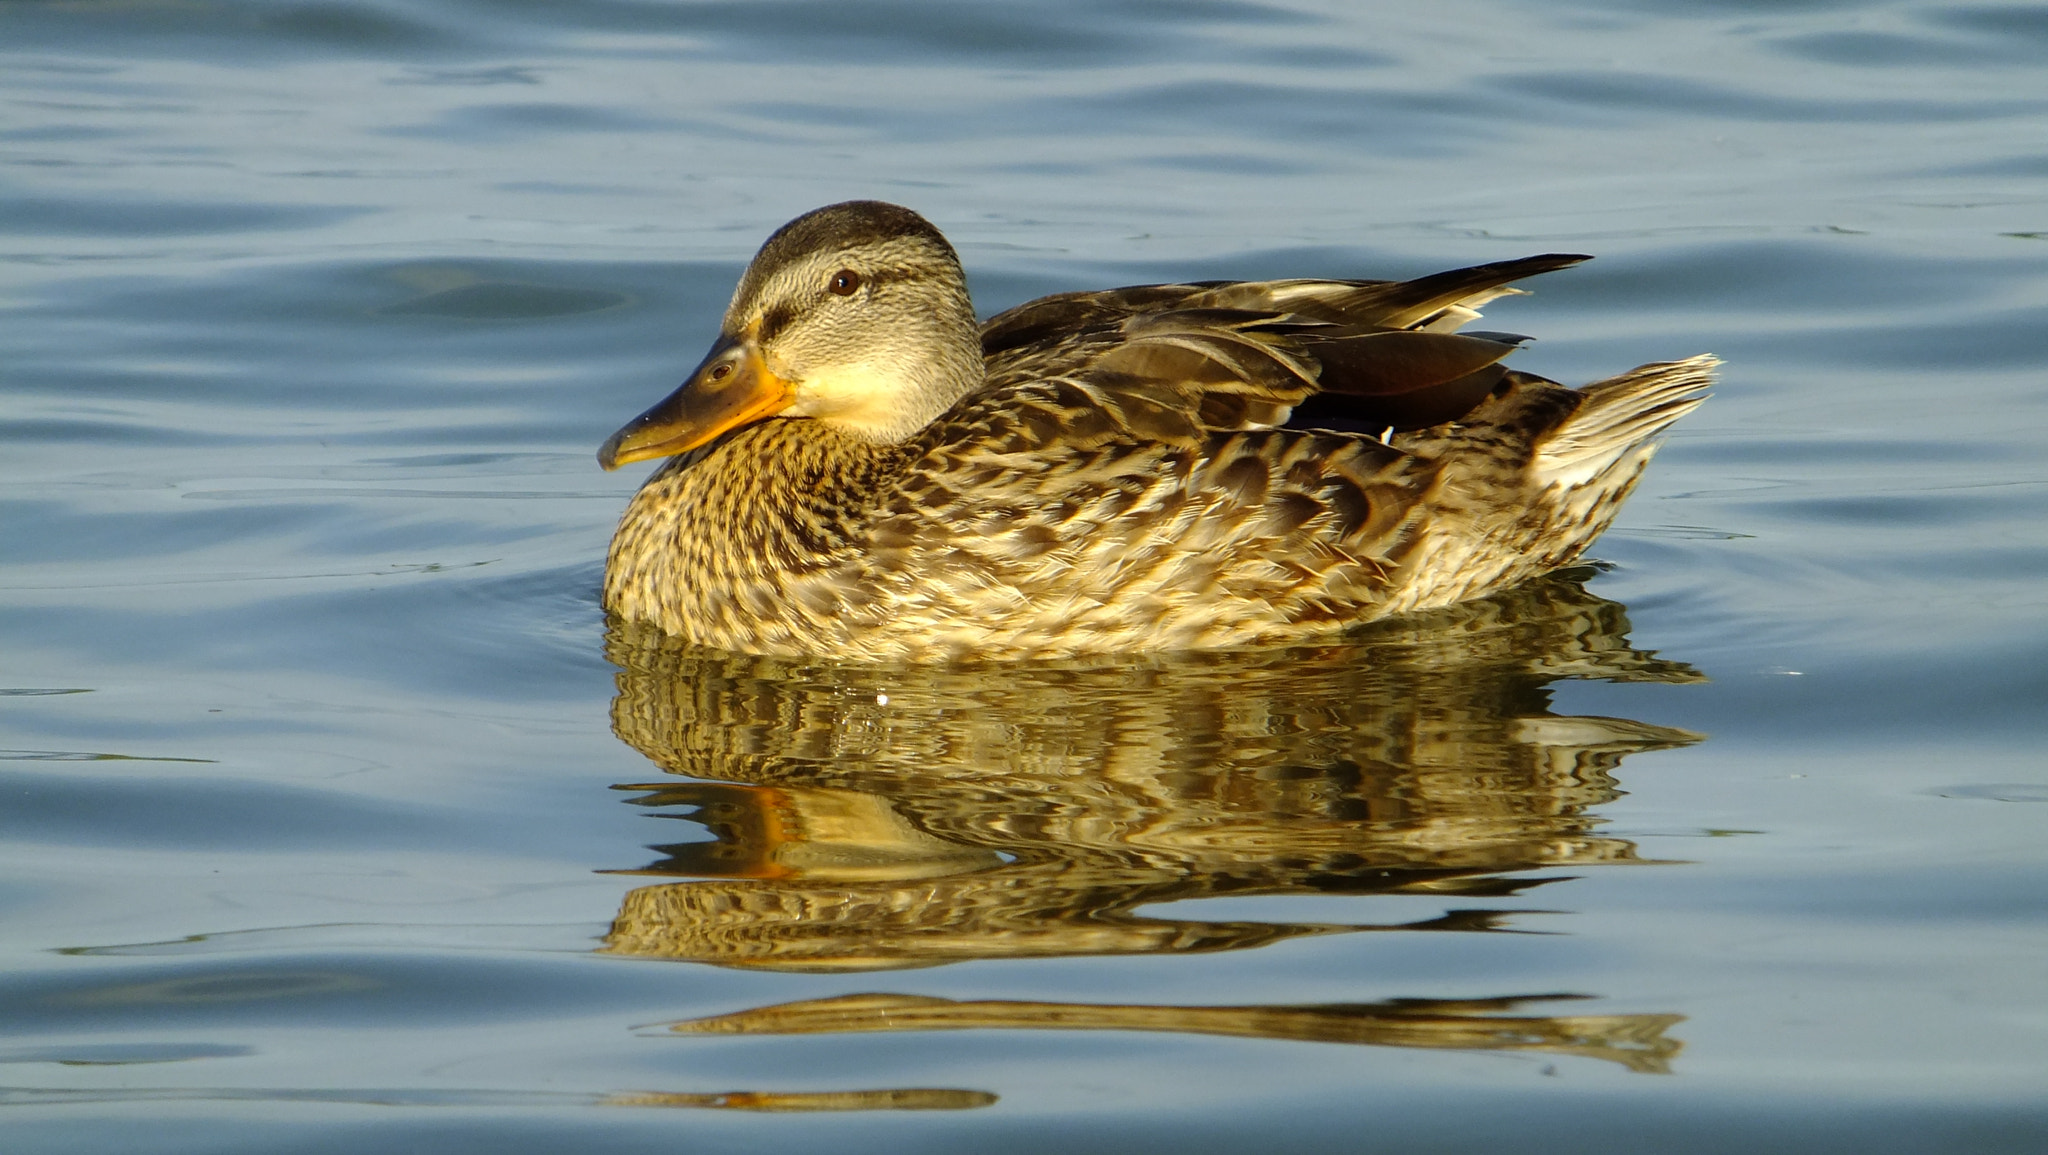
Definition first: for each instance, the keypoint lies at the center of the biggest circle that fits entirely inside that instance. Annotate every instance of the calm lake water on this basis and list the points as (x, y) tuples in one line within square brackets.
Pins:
[(335, 818)]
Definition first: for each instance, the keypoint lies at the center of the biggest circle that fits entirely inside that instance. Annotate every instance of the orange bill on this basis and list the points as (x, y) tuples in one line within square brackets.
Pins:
[(733, 387)]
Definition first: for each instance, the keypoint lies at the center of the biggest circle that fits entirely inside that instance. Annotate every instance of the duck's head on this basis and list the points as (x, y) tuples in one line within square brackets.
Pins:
[(855, 315)]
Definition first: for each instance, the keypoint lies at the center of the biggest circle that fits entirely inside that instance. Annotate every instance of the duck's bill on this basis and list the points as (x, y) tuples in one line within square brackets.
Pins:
[(733, 387)]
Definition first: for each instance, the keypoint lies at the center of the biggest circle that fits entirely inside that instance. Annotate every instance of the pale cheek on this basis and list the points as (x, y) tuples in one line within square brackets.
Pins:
[(863, 397)]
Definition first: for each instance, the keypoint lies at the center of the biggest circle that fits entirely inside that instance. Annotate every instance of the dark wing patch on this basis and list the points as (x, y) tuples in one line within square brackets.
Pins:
[(1167, 363)]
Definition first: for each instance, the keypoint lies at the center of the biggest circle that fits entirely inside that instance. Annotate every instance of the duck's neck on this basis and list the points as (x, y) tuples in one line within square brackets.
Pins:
[(939, 381), (716, 543), (889, 395)]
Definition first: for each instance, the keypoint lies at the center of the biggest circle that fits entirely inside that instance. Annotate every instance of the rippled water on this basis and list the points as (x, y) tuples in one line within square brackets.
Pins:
[(336, 818)]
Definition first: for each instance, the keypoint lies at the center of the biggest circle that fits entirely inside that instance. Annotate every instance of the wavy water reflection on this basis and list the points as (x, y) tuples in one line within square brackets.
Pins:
[(874, 818), (777, 1102), (1635, 1041)]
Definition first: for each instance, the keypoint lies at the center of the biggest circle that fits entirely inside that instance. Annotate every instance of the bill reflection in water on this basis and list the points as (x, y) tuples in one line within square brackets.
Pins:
[(886, 817)]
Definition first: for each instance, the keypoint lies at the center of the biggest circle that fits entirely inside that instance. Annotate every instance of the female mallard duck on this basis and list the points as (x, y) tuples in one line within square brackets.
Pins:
[(858, 470)]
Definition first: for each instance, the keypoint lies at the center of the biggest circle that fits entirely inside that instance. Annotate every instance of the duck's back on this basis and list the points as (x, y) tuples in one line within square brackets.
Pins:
[(1010, 536)]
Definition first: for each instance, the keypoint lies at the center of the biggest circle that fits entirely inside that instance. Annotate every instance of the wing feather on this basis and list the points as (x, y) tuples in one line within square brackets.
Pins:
[(1349, 356)]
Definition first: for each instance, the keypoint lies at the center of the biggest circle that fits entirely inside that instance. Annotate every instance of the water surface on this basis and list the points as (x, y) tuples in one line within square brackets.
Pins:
[(339, 819)]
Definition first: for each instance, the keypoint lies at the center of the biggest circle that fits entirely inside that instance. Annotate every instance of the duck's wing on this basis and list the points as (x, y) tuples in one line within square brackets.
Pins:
[(1136, 472), (1353, 356), (1055, 516)]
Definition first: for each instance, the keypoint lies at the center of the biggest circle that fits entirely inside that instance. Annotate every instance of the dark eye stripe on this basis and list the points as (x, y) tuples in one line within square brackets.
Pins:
[(774, 321), (776, 318), (880, 277)]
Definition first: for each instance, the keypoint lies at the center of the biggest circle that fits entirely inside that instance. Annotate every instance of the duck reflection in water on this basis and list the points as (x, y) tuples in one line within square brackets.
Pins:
[(886, 817)]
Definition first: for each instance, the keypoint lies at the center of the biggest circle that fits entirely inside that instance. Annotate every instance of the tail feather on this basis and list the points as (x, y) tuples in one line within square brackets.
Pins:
[(1619, 418)]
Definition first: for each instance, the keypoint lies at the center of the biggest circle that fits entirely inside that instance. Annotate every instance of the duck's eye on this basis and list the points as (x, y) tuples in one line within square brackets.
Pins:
[(721, 371), (844, 282)]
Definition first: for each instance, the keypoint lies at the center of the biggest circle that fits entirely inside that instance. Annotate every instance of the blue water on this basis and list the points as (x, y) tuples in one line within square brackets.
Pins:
[(336, 818)]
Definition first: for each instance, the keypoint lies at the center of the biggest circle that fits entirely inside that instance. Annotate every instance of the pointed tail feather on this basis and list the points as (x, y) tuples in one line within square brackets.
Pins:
[(1621, 417)]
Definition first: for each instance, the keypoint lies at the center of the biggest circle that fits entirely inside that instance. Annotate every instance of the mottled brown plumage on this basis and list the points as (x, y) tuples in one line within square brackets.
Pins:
[(1156, 467)]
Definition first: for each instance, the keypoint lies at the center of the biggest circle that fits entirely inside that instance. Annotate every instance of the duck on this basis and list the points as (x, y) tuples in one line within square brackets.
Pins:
[(860, 470)]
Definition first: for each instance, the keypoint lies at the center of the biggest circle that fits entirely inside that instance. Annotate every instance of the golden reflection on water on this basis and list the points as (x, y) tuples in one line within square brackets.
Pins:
[(892, 1099), (886, 817), (1635, 1041)]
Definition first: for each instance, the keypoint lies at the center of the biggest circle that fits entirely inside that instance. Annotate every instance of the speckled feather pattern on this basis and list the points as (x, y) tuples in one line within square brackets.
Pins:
[(1126, 490)]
